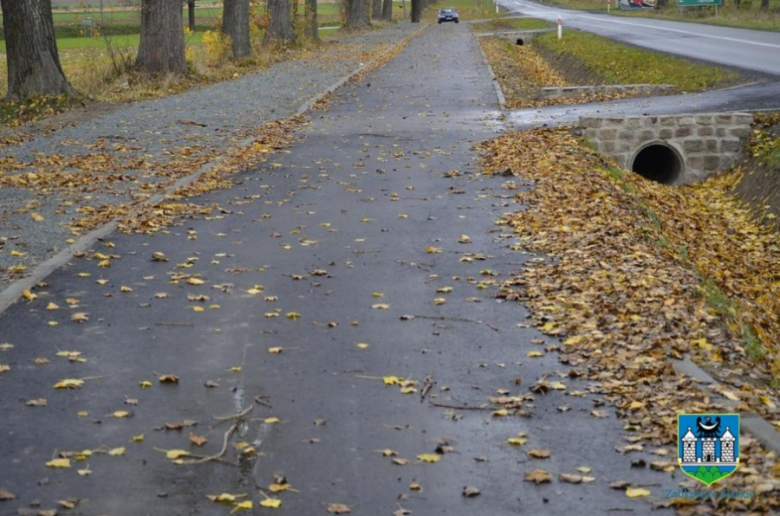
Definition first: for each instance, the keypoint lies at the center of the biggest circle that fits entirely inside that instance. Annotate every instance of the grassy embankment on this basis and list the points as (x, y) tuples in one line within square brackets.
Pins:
[(584, 59), (747, 16)]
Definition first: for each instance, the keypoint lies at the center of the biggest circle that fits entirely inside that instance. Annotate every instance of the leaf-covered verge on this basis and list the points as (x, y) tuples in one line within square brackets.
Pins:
[(630, 282), (624, 64), (109, 172)]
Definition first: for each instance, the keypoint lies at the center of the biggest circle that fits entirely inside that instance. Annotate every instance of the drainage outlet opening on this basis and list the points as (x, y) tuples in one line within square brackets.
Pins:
[(659, 163), (520, 41)]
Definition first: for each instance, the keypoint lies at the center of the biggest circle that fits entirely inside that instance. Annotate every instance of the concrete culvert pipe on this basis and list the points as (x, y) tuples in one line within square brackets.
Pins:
[(658, 162)]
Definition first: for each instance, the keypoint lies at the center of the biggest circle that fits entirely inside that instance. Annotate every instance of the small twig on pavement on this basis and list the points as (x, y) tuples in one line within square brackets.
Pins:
[(456, 407), (235, 416), (218, 456)]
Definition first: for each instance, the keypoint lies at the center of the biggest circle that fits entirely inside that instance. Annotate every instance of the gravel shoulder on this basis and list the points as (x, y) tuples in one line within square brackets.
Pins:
[(129, 154)]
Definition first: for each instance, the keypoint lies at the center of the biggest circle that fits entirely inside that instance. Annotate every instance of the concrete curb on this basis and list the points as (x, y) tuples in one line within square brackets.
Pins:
[(752, 423), (494, 79), (13, 292)]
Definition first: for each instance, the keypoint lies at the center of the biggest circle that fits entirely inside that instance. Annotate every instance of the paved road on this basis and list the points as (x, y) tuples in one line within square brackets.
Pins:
[(755, 97), (334, 230), (742, 48)]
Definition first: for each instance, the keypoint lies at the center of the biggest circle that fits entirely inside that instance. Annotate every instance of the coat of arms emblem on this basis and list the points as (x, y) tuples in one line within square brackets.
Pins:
[(708, 445)]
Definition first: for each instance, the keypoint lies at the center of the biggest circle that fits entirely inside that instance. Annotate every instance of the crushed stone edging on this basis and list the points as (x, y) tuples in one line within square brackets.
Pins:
[(493, 78), (14, 291)]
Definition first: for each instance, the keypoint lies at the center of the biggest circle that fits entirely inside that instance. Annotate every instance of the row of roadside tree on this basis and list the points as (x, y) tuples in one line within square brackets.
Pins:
[(34, 67)]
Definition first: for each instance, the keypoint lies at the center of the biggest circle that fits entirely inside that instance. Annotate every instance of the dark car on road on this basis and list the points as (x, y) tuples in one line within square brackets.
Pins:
[(448, 14)]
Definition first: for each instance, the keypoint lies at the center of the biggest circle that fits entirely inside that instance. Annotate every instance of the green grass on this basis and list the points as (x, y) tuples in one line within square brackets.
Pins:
[(622, 64), (123, 41), (511, 24)]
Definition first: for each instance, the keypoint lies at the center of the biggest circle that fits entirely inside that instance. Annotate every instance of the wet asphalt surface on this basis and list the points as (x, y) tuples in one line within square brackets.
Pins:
[(742, 48), (358, 201)]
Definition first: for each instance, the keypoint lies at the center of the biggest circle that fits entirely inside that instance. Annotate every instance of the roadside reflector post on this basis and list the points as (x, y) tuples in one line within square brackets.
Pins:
[(560, 27), (609, 2)]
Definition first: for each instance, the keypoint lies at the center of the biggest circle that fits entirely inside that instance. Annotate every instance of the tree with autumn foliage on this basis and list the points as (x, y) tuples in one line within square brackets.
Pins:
[(33, 61)]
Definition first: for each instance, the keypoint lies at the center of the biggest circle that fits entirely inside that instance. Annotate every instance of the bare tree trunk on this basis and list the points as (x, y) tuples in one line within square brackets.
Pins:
[(191, 13), (357, 14), (376, 9), (417, 7), (280, 29), (162, 39), (312, 25), (387, 10), (764, 5), (235, 23), (33, 61)]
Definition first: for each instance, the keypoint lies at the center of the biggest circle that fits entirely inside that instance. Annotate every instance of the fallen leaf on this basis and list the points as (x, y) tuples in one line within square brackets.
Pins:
[(538, 476), (40, 402), (69, 503), (539, 454), (79, 317), (380, 306), (246, 505), (144, 384), (570, 478), (120, 414), (197, 440), (338, 508), (636, 492), (6, 495), (168, 378), (69, 383), (471, 491), (59, 463), (225, 497), (276, 350), (116, 452), (271, 420), (431, 458), (271, 503), (293, 315)]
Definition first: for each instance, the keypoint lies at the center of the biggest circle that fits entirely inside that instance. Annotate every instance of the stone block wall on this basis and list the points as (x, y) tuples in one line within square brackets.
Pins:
[(706, 143), (576, 91)]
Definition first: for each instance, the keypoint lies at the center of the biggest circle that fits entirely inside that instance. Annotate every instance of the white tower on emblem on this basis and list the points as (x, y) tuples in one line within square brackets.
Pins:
[(689, 446), (727, 446)]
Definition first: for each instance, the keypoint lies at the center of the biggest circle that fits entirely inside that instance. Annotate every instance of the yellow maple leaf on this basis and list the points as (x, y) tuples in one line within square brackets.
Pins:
[(69, 383), (59, 463), (242, 506), (636, 493), (429, 457)]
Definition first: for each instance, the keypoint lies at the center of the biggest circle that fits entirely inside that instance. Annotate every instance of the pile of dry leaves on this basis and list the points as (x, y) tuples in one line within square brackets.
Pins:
[(623, 292)]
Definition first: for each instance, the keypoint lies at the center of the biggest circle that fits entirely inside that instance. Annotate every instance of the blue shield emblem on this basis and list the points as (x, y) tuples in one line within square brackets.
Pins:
[(708, 445)]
